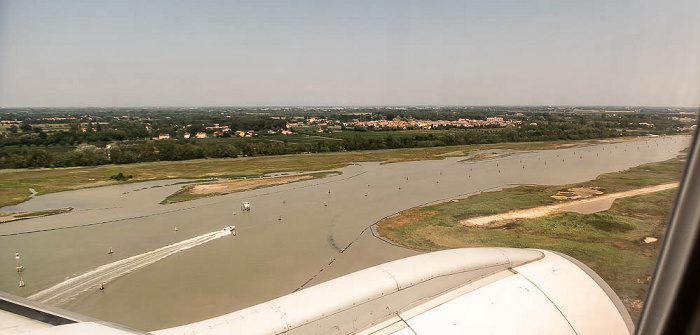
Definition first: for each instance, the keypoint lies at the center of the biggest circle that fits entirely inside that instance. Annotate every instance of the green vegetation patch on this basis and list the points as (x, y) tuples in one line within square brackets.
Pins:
[(121, 177), (184, 194), (639, 176), (610, 242)]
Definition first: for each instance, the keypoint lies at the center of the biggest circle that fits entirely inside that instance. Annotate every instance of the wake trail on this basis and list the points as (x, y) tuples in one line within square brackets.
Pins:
[(69, 289)]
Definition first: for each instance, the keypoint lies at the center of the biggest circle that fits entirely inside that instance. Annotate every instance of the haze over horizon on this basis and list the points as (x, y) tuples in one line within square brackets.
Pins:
[(339, 106), (82, 53)]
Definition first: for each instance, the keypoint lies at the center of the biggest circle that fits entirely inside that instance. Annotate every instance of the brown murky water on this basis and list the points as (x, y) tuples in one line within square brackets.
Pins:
[(269, 257)]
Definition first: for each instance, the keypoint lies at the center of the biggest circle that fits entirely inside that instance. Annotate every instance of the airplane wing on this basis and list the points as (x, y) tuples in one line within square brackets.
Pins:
[(458, 291)]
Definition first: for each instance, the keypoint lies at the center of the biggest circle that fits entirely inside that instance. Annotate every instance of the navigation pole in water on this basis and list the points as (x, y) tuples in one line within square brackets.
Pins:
[(19, 269), (68, 289), (19, 266)]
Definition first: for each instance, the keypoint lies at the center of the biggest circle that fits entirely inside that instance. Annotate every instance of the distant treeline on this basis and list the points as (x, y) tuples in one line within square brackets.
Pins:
[(111, 137), (122, 130), (172, 150)]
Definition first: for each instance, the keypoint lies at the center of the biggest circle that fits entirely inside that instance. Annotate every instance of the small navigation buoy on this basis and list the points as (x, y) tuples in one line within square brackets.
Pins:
[(365, 194), (329, 191), (325, 204), (367, 185), (101, 286), (176, 226), (284, 201), (399, 187), (279, 218), (111, 251)]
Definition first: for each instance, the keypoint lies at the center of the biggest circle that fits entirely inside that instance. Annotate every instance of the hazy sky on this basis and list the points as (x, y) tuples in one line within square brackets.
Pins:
[(354, 52)]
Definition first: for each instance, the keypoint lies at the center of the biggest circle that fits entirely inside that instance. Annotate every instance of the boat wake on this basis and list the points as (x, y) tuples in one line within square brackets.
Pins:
[(69, 289)]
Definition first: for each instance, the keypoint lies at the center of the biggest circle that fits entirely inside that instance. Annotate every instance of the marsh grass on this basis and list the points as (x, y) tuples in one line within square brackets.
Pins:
[(610, 242)]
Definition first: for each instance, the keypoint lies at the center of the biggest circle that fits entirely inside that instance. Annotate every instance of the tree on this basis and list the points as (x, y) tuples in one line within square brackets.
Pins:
[(75, 127), (25, 127)]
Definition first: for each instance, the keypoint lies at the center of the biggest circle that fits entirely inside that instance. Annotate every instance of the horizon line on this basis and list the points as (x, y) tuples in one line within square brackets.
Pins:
[(348, 106)]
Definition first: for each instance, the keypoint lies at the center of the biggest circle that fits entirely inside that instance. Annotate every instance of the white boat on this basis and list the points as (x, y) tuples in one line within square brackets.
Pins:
[(229, 229)]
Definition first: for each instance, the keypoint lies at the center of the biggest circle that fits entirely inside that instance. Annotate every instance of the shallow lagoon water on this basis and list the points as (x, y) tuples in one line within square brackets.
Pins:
[(269, 257)]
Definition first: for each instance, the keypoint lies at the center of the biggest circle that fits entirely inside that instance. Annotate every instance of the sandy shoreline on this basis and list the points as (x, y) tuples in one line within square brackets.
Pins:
[(241, 184), (584, 206)]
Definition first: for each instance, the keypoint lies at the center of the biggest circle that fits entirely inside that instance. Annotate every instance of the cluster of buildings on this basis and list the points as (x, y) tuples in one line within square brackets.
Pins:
[(684, 119), (428, 124), (204, 134), (219, 133), (217, 130), (300, 122)]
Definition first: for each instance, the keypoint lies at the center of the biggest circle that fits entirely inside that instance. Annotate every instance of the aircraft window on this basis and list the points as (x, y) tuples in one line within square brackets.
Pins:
[(167, 163)]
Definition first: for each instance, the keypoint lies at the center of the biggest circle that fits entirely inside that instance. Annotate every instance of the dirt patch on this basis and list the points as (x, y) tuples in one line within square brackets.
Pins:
[(578, 193), (405, 217), (565, 145), (644, 280), (242, 185), (452, 154), (633, 305), (587, 206), (485, 155)]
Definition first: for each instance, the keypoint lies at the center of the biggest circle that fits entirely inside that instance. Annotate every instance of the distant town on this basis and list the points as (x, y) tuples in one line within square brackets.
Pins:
[(55, 137)]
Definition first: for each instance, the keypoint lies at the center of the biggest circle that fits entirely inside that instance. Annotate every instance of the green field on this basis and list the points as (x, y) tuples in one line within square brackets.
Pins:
[(610, 242), (46, 127)]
